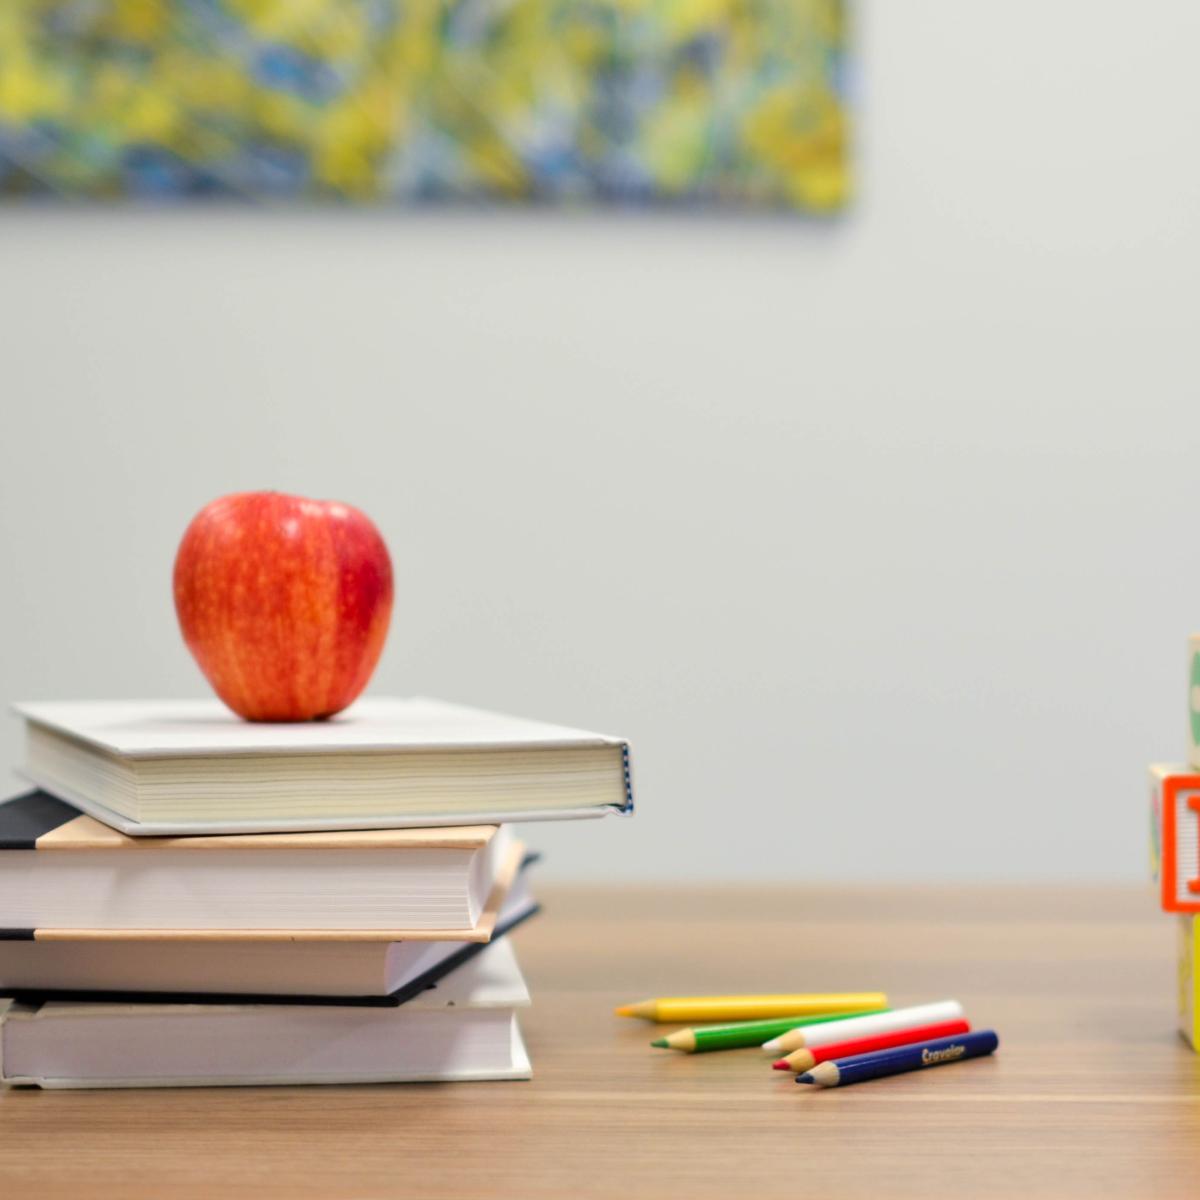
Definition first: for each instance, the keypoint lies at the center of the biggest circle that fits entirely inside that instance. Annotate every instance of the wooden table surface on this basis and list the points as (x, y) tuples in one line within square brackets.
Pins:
[(1092, 1093)]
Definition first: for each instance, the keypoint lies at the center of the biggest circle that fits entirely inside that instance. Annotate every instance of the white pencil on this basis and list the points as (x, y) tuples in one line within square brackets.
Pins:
[(829, 1032)]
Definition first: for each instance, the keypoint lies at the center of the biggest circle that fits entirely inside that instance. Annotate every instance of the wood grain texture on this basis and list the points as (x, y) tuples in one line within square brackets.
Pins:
[(1092, 1093)]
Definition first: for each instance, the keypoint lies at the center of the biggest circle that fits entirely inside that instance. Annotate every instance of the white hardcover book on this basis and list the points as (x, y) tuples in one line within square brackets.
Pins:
[(464, 1029), (199, 970), (65, 876), (191, 766)]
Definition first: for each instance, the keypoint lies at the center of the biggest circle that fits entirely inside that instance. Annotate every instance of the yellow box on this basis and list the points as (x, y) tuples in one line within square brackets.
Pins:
[(1189, 955)]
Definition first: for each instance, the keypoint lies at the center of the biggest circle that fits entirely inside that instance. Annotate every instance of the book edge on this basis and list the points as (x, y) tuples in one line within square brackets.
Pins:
[(575, 738), (139, 829), (481, 931)]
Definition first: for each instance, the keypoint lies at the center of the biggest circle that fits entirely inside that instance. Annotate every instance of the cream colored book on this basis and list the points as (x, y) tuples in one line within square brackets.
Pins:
[(64, 876), (465, 1028), (199, 970), (164, 767)]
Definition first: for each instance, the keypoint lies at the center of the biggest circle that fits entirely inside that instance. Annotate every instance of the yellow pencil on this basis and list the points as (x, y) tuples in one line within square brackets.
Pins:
[(751, 1008)]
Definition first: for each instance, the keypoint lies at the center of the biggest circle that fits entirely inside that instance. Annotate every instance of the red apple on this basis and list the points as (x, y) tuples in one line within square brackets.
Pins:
[(284, 602)]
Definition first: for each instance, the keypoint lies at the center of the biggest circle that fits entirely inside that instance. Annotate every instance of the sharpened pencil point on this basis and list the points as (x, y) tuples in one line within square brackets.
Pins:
[(781, 1065), (772, 1047), (805, 1078), (646, 1009), (661, 1043)]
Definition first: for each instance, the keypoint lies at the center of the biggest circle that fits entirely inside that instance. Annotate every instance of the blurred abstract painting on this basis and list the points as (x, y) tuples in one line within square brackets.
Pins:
[(576, 102)]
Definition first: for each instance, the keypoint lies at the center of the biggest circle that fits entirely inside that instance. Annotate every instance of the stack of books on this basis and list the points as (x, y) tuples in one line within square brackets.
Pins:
[(1175, 851), (191, 899)]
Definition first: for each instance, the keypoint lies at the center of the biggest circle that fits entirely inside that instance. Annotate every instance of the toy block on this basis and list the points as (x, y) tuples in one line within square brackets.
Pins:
[(1189, 1012), (1175, 836)]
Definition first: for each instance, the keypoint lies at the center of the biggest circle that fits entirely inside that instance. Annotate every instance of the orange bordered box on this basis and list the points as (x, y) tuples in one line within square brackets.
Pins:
[(1175, 836)]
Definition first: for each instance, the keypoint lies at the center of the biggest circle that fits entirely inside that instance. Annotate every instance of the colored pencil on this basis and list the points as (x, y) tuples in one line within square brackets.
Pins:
[(885, 1022), (918, 1056), (802, 1060), (751, 1008), (738, 1034)]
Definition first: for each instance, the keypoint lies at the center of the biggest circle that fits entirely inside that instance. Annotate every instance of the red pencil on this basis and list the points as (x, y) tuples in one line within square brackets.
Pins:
[(804, 1059)]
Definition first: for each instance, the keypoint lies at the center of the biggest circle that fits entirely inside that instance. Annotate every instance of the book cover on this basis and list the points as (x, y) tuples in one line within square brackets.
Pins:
[(155, 768), (46, 825), (462, 953), (144, 729), (465, 1029)]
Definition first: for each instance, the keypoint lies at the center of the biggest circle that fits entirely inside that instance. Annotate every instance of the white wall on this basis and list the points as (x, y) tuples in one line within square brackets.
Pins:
[(877, 539)]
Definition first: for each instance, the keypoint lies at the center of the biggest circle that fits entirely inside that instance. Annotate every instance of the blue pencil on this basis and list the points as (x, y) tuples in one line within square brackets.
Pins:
[(858, 1067)]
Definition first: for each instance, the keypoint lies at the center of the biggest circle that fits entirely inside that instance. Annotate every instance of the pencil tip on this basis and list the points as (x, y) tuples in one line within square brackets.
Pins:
[(805, 1078), (781, 1065), (771, 1047), (646, 1009), (662, 1043)]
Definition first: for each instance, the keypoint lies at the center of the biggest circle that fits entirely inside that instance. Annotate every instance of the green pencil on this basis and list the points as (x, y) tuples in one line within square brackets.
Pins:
[(742, 1033)]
